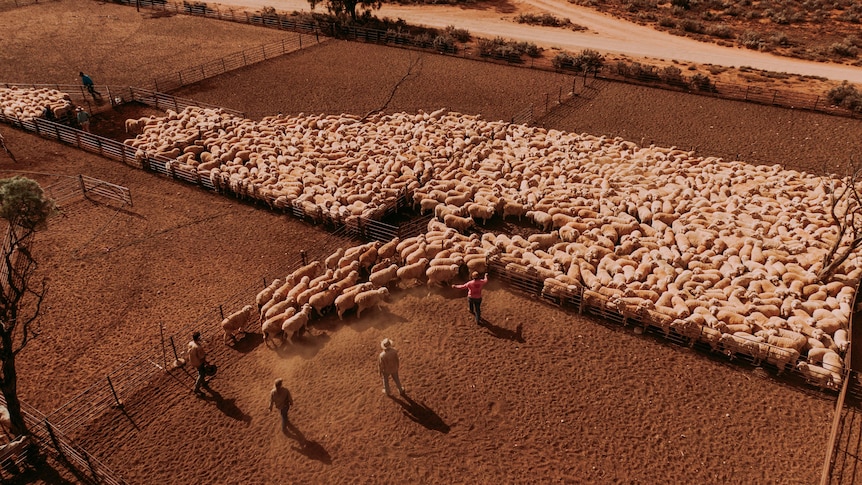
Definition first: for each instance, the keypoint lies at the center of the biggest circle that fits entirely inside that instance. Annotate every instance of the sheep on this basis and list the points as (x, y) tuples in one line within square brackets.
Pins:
[(513, 208), (412, 272), (389, 249), (266, 294), (436, 275), (544, 241), (347, 299), (384, 276), (841, 340), (271, 327), (370, 298), (324, 299), (279, 307), (541, 219), (331, 261), (294, 324), (235, 322), (742, 343), (781, 357), (816, 375), (482, 212), (458, 223)]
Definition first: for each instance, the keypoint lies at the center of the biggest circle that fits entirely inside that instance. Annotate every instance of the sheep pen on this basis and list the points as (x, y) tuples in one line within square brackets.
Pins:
[(568, 398)]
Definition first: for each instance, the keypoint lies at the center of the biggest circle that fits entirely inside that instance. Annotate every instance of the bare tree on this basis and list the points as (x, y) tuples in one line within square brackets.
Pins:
[(847, 217), (26, 209)]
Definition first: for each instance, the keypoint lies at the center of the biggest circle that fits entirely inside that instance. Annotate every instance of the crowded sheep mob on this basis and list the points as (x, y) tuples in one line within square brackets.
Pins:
[(728, 252)]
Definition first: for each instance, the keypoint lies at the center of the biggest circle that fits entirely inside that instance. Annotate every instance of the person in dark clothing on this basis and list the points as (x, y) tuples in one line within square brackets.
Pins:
[(87, 81)]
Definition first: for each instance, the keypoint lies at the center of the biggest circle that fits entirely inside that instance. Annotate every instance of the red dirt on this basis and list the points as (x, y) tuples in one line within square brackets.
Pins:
[(536, 395)]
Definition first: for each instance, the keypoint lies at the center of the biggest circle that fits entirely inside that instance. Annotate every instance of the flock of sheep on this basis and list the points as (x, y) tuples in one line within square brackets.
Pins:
[(721, 252), (725, 253), (24, 104)]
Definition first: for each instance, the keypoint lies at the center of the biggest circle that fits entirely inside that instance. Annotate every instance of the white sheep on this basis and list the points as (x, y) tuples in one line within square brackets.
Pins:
[(347, 299), (297, 322), (370, 298), (235, 322), (458, 223), (384, 276), (437, 275), (816, 375), (266, 294), (271, 327), (324, 299), (412, 272)]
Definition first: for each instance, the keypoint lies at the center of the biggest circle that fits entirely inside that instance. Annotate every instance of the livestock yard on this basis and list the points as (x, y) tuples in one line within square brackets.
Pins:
[(535, 393)]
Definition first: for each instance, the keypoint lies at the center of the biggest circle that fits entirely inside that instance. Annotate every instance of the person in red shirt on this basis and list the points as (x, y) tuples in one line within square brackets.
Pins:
[(474, 294)]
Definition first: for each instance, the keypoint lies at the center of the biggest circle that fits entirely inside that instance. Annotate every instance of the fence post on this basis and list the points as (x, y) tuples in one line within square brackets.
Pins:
[(223, 67), (815, 103), (263, 49), (300, 40), (774, 94), (221, 311), (81, 184), (174, 347), (303, 256), (164, 352), (114, 392)]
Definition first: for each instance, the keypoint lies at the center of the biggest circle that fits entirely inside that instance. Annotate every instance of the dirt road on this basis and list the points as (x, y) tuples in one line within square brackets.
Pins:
[(605, 34)]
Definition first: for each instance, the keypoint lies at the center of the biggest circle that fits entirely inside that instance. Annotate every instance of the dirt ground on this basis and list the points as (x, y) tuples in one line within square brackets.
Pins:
[(536, 394)]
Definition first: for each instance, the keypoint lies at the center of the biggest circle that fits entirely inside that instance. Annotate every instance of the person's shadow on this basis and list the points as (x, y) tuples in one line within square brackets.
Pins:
[(227, 406), (516, 335), (305, 446), (418, 412)]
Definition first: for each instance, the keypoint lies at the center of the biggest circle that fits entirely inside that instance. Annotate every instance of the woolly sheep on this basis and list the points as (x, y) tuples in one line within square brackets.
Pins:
[(234, 323), (323, 299), (816, 375), (266, 294), (436, 275), (271, 327), (347, 299), (370, 298), (384, 276), (297, 322)]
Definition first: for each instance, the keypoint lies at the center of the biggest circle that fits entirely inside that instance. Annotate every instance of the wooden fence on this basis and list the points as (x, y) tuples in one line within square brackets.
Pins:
[(54, 444)]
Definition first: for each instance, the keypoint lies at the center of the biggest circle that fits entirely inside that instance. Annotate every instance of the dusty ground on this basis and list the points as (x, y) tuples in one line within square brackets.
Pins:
[(535, 395)]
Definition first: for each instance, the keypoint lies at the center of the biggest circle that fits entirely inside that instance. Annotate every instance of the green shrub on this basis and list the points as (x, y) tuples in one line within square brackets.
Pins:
[(692, 26), (779, 39), (722, 31), (751, 39), (672, 75), (684, 4), (546, 20), (563, 60), (845, 96), (843, 49), (701, 82), (667, 22), (460, 35)]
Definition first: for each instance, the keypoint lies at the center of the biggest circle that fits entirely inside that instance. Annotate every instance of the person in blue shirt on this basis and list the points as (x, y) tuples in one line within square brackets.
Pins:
[(87, 81)]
